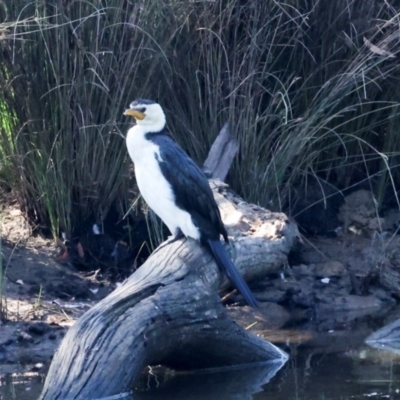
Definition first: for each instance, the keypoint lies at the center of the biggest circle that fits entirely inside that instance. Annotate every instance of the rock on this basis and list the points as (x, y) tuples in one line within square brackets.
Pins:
[(382, 295), (389, 276), (330, 269), (375, 224), (38, 328), (303, 270), (272, 295), (300, 292), (269, 291), (392, 220), (304, 296), (348, 303), (25, 337), (359, 212), (271, 316)]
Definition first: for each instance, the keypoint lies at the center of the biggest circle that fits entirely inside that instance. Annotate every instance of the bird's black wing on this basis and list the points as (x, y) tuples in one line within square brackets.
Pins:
[(192, 190), (194, 195)]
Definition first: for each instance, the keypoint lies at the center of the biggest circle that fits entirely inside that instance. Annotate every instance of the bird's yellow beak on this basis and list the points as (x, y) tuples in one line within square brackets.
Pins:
[(135, 113)]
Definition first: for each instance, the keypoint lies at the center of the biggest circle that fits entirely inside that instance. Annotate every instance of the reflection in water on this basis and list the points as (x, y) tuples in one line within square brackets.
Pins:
[(20, 386), (227, 384), (356, 374), (309, 375), (334, 365)]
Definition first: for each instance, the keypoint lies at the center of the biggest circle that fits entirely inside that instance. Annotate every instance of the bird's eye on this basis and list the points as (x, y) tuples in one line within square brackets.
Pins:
[(142, 110)]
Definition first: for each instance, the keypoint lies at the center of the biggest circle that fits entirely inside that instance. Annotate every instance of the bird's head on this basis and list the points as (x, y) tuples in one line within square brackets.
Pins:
[(147, 113)]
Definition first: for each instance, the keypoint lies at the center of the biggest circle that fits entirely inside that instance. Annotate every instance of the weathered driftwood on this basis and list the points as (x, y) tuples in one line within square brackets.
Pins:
[(387, 338), (221, 155), (168, 312)]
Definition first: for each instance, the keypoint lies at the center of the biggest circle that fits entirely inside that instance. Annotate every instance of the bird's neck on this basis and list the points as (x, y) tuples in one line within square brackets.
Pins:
[(149, 126), (138, 142)]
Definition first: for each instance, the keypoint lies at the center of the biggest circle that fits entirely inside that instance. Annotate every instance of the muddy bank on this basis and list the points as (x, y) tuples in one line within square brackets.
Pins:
[(329, 282)]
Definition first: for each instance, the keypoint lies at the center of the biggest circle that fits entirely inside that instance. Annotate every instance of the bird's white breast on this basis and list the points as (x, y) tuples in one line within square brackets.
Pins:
[(153, 186)]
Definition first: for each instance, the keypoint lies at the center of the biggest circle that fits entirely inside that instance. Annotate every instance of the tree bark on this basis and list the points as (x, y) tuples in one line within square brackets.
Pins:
[(168, 312)]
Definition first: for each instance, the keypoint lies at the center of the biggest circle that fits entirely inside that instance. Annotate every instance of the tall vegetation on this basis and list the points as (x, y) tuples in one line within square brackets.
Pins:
[(309, 88)]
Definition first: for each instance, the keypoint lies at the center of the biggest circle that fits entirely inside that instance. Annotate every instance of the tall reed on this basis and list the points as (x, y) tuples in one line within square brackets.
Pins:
[(309, 88)]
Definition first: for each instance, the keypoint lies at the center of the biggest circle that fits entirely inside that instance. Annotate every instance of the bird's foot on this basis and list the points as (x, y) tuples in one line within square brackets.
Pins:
[(178, 234)]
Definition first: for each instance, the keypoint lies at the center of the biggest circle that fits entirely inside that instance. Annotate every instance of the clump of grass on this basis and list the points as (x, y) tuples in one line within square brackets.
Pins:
[(68, 72), (304, 93), (38, 300)]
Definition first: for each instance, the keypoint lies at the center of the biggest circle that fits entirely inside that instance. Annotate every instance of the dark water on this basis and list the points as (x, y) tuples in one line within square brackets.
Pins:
[(322, 366), (20, 385), (361, 373)]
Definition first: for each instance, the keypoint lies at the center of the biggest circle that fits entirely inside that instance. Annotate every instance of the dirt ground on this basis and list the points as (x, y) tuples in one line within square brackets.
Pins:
[(329, 281), (42, 297)]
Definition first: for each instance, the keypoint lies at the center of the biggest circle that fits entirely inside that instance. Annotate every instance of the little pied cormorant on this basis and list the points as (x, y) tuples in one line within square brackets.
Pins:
[(176, 189)]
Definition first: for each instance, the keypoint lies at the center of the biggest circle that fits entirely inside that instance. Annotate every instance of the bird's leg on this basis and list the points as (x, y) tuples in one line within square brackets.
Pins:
[(177, 235)]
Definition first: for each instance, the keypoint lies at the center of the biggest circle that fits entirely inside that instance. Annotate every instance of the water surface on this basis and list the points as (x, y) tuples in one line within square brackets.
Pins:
[(327, 365)]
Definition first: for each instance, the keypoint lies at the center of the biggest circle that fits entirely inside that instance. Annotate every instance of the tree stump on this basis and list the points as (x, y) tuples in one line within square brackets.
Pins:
[(168, 312)]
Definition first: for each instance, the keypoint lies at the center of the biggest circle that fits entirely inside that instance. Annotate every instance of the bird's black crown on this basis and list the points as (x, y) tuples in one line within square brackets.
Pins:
[(140, 102)]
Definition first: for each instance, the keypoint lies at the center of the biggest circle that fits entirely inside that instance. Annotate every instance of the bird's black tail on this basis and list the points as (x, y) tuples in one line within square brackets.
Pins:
[(223, 260)]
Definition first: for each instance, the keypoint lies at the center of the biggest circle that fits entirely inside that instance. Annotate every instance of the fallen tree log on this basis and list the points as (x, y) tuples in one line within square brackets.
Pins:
[(168, 312)]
